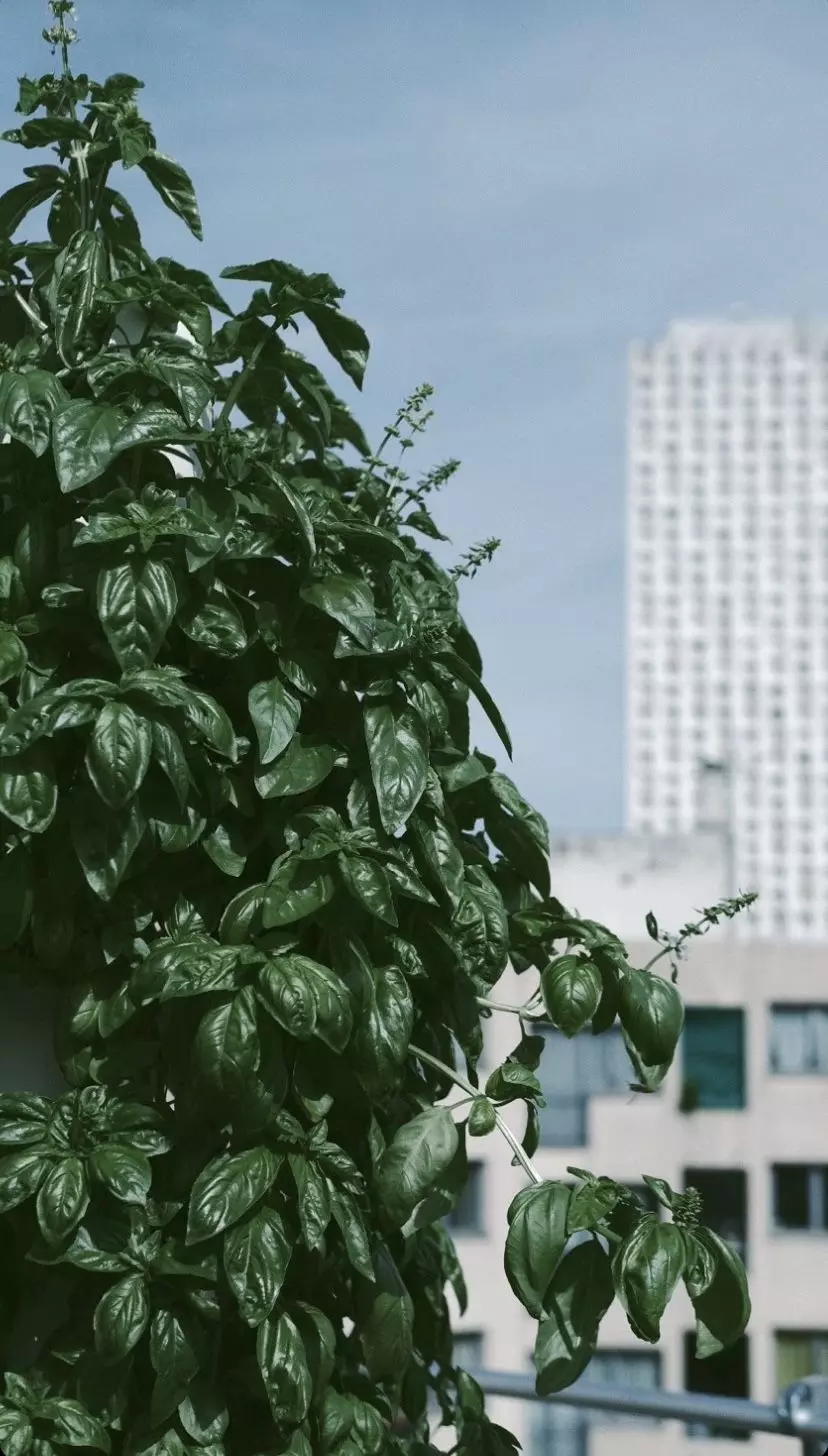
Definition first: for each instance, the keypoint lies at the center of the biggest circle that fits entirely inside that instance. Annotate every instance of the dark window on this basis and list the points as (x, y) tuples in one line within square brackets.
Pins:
[(714, 1058), (467, 1217), (800, 1196), (799, 1040), (724, 1196), (723, 1374), (571, 1072)]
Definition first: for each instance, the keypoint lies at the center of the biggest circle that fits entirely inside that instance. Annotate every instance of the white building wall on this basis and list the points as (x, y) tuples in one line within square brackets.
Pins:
[(728, 600)]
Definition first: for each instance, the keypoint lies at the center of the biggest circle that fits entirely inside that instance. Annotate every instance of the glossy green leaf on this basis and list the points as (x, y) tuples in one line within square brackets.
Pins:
[(652, 1015), (303, 766), (118, 753), (287, 995), (136, 604), (168, 752), (439, 857), (482, 1117), (535, 1242), (121, 1318), (280, 1352), (369, 884), (174, 1359), (203, 1412), (73, 1425), (21, 1174), (398, 753), (576, 1301), (721, 1302), (297, 889), (84, 436), (387, 1319), (28, 403), (256, 1258), (348, 599), (62, 1199), (226, 1046), (15, 1431), (313, 1199), (466, 674), (512, 800), (174, 188), (275, 714), (225, 1190), (125, 1171), (419, 1152), (105, 842), (82, 270), (13, 655), (28, 790), (646, 1268), (571, 992)]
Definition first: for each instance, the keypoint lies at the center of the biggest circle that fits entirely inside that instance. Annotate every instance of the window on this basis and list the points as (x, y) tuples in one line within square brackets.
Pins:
[(800, 1197), (724, 1197), (799, 1040), (468, 1215), (723, 1374), (571, 1072), (468, 1349), (798, 1354), (714, 1058), (566, 1432)]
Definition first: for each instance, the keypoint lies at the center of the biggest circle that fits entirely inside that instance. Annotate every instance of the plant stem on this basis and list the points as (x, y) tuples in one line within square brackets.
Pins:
[(505, 1005), (457, 1077), (236, 386)]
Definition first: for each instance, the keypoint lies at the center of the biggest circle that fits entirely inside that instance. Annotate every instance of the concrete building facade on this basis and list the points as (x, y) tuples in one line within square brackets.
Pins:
[(742, 1116), (727, 601)]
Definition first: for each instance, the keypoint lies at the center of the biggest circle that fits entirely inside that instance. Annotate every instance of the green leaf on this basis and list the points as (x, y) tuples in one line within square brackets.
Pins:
[(344, 339), (169, 754), (349, 1220), (28, 790), (23, 1118), (652, 1015), (173, 187), (62, 1199), (174, 1359), (592, 1203), (386, 1320), (105, 842), (296, 889), (319, 1339), (275, 713), (81, 271), (225, 844), (456, 664), (383, 1022), (516, 842), (482, 1117), (578, 1298), (280, 1352), (256, 1258), (215, 625), (73, 1425), (513, 801), (511, 1082), (571, 992), (203, 1413), (439, 857), (348, 599), (125, 1171), (369, 884), (242, 917), (21, 1175), (226, 1048), (722, 1304), (225, 1190), (535, 1242), (13, 655), (28, 403), (646, 1268), (313, 1199), (137, 602), (398, 753), (284, 991), (296, 509), (19, 201), (15, 1431), (118, 753), (412, 1164), (83, 440), (303, 766)]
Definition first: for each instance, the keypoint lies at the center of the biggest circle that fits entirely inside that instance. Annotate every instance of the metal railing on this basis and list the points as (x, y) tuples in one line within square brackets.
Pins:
[(802, 1411)]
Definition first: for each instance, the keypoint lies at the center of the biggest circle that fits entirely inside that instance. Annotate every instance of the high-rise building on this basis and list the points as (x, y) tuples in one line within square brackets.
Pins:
[(727, 602)]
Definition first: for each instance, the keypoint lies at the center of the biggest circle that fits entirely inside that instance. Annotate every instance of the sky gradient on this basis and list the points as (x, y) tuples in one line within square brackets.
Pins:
[(509, 194)]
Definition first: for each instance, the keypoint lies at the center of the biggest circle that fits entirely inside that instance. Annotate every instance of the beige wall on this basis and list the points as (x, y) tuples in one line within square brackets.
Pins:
[(786, 1119)]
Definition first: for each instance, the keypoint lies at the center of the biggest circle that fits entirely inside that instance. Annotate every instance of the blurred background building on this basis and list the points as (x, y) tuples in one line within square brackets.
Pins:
[(727, 788)]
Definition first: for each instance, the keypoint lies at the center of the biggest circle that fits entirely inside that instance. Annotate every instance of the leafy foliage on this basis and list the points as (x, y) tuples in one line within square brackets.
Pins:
[(246, 836)]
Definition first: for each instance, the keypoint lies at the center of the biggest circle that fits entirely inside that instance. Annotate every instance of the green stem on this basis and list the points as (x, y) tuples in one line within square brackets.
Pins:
[(460, 1081), (236, 386), (524, 1010), (29, 312), (666, 950)]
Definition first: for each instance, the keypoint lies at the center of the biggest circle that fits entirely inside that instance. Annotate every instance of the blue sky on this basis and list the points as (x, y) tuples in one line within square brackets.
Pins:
[(509, 193)]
